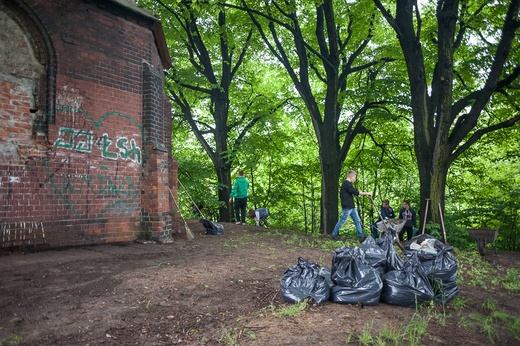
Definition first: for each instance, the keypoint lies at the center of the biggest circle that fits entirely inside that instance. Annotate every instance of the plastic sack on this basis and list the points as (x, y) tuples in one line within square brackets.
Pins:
[(423, 245), (374, 256), (408, 286), (212, 227), (304, 280), (386, 243), (440, 266), (355, 281)]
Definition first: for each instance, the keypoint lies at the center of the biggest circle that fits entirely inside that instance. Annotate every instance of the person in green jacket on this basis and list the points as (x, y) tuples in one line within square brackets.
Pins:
[(239, 191)]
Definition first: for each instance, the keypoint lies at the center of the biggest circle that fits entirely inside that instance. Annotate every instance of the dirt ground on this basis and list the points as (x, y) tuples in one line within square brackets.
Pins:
[(215, 289)]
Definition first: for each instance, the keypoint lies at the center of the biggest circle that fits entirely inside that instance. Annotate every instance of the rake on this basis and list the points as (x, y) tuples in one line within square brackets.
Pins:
[(189, 233), (191, 199)]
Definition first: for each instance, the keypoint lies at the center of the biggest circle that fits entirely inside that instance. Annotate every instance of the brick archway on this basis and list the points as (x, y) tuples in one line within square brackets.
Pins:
[(27, 82)]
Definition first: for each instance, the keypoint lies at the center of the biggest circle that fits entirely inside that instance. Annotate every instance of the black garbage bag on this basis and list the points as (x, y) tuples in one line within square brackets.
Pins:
[(442, 271), (440, 266), (326, 273), (355, 281), (212, 227), (374, 256), (393, 261), (304, 280), (408, 286)]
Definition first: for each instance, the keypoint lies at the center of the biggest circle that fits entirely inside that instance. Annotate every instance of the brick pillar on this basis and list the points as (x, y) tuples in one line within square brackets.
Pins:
[(156, 211), (176, 225)]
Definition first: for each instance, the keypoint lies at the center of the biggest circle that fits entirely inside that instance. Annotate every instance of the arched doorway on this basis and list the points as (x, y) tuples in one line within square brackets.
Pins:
[(27, 70)]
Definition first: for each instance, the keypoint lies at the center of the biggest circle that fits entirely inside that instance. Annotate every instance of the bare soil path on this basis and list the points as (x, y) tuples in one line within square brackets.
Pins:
[(212, 290)]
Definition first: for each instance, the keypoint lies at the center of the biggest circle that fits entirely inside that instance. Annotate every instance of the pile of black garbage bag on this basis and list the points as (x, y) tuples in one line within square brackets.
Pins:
[(374, 272)]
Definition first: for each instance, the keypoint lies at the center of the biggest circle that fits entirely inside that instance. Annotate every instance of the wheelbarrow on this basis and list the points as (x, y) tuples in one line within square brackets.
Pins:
[(393, 225), (483, 236)]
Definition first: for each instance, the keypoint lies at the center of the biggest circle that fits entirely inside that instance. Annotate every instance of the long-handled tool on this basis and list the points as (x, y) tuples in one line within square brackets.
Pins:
[(378, 212), (191, 199), (189, 233), (442, 223), (425, 215), (396, 239)]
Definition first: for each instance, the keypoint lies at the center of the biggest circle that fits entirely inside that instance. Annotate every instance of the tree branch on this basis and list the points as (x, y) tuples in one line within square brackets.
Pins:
[(479, 133)]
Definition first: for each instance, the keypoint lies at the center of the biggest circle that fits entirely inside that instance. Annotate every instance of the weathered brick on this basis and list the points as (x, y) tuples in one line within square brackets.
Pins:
[(81, 180)]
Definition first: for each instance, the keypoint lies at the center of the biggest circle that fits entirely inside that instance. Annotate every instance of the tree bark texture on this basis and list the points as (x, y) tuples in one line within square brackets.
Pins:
[(444, 128)]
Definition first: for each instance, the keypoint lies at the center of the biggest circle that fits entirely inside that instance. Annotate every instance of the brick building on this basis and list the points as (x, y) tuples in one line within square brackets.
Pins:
[(85, 129)]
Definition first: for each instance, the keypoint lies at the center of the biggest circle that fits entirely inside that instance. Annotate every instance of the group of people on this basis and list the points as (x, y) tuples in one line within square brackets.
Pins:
[(239, 192), (406, 213), (347, 193)]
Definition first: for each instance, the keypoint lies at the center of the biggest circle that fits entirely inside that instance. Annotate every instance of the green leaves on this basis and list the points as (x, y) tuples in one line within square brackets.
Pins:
[(292, 91)]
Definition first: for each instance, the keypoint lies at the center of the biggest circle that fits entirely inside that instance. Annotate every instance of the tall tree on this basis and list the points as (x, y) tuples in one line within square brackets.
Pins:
[(322, 44), (469, 91), (210, 45)]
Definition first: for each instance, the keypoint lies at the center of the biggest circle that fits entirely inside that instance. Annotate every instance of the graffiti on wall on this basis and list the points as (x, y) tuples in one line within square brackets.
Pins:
[(84, 140), (107, 178)]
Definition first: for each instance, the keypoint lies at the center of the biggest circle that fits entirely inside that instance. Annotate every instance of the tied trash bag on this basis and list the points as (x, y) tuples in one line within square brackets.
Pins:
[(407, 286), (374, 256), (438, 263), (442, 271), (304, 280), (386, 243), (356, 282), (212, 227)]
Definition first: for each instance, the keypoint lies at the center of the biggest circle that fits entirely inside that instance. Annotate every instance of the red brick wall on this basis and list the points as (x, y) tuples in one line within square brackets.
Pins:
[(15, 134), (90, 174)]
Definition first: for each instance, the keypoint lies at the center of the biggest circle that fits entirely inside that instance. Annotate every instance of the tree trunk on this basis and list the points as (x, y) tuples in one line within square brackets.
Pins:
[(330, 171), (425, 178), (224, 181), (438, 189), (221, 160), (430, 114)]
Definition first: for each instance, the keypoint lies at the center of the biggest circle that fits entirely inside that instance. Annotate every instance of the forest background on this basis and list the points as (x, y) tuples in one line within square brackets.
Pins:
[(419, 97)]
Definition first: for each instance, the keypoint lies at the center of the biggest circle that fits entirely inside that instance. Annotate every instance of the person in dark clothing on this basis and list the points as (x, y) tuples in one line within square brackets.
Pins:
[(347, 193), (260, 215), (386, 213), (239, 191), (410, 216)]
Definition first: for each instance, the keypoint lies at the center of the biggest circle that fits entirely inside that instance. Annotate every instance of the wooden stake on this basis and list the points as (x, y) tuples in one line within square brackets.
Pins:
[(442, 223), (425, 215)]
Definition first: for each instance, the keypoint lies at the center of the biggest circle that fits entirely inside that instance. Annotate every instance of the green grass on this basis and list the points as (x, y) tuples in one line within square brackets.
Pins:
[(491, 321), (11, 340), (514, 328), (290, 310), (228, 337), (406, 334), (459, 303), (512, 279)]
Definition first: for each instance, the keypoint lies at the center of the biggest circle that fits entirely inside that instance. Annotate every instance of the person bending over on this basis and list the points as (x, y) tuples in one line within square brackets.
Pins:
[(260, 215)]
